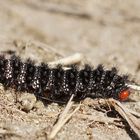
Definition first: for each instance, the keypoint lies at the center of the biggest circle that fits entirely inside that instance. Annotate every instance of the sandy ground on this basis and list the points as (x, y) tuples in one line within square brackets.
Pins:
[(105, 32)]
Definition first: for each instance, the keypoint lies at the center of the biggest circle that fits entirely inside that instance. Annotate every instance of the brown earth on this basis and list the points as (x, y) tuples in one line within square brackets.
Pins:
[(106, 32)]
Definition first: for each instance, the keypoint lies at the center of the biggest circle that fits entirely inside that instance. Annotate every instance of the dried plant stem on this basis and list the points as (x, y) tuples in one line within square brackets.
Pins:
[(135, 87), (74, 59)]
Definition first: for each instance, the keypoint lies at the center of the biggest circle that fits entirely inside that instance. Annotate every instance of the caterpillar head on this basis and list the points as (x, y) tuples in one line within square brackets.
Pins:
[(123, 95), (122, 91)]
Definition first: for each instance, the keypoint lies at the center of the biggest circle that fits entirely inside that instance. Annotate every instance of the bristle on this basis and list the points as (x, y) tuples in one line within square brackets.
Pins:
[(2, 68), (21, 82), (8, 73), (44, 76), (35, 82)]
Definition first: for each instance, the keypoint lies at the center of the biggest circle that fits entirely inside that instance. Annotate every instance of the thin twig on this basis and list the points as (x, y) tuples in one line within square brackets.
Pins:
[(58, 125), (132, 121), (63, 9), (134, 113), (63, 119), (47, 48), (65, 112)]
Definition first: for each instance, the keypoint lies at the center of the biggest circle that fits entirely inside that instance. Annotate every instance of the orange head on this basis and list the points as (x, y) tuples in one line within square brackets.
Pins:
[(123, 95)]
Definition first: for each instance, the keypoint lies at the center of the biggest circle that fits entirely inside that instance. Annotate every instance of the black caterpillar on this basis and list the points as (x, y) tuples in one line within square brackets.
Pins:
[(59, 84)]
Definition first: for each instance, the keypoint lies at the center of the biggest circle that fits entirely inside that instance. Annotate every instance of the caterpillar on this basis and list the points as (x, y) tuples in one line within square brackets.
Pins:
[(59, 84)]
